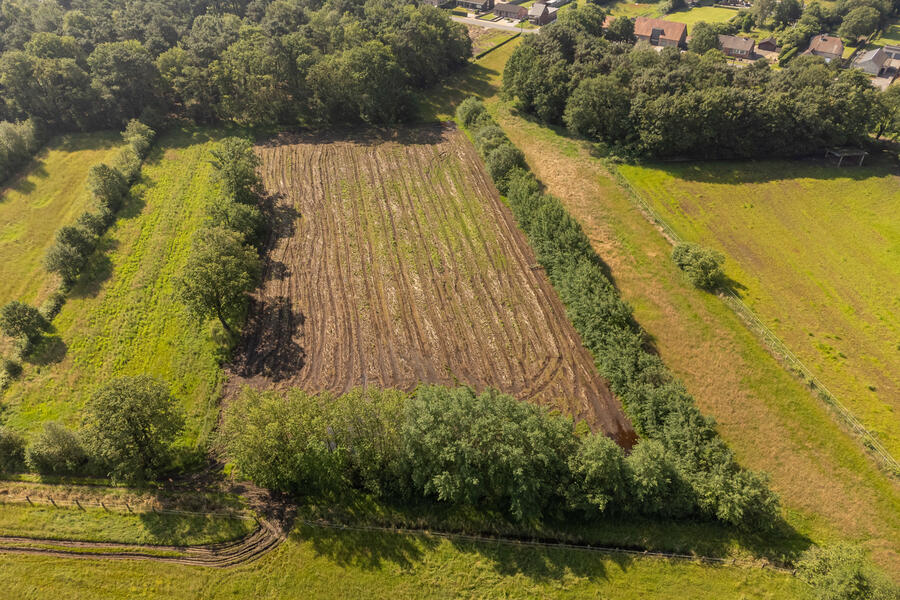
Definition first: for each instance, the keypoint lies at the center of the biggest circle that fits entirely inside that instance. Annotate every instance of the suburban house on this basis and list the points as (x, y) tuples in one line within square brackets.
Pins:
[(541, 14), (892, 52), (737, 47), (476, 5), (660, 33), (768, 45), (828, 47), (873, 61), (510, 11)]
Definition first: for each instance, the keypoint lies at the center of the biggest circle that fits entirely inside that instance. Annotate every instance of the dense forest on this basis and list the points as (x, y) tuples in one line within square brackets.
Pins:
[(668, 103), (85, 64)]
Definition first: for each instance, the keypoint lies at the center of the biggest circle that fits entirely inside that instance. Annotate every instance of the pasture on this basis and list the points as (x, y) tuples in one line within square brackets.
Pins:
[(689, 16), (50, 193), (392, 262), (122, 318), (797, 235)]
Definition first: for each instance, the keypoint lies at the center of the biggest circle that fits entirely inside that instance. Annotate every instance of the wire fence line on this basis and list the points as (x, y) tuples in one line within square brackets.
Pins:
[(483, 539), (122, 507), (772, 341)]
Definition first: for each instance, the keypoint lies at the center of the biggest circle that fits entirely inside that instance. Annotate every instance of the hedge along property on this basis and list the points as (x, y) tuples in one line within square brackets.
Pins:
[(658, 405)]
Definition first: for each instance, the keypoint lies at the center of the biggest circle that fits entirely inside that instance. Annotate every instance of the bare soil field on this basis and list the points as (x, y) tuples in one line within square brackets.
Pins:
[(393, 261)]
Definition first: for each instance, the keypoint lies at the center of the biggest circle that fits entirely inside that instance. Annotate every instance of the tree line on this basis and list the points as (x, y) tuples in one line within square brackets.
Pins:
[(488, 451), (640, 102), (92, 64), (73, 246), (660, 408), (224, 262)]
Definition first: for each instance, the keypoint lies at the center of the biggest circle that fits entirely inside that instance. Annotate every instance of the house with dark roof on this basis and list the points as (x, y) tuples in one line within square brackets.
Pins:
[(769, 45), (510, 11), (541, 14), (658, 32), (873, 61), (828, 47), (735, 46), (476, 5)]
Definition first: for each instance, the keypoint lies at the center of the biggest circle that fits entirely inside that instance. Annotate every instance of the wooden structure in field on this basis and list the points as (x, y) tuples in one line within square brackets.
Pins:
[(841, 153)]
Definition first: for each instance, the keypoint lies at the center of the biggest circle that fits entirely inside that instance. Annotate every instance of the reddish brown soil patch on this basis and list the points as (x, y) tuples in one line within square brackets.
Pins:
[(393, 261)]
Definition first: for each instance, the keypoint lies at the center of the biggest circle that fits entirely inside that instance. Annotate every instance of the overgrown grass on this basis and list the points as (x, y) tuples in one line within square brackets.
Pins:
[(52, 192), (812, 249), (122, 318), (99, 525), (322, 563)]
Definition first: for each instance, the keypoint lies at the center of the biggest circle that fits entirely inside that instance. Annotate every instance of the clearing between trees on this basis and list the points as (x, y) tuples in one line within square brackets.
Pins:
[(393, 262)]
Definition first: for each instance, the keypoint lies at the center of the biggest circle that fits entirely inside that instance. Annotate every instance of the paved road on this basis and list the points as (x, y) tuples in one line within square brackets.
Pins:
[(491, 25)]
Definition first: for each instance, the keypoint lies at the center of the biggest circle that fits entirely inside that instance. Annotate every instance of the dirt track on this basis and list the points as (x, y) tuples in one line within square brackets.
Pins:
[(392, 262)]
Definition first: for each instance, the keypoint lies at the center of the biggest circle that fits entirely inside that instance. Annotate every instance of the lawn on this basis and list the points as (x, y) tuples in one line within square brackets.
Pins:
[(52, 192), (708, 14), (889, 37), (98, 525), (122, 317), (690, 16), (317, 563), (812, 249)]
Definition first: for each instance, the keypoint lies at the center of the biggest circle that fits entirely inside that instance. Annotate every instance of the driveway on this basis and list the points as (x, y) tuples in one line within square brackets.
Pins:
[(491, 24)]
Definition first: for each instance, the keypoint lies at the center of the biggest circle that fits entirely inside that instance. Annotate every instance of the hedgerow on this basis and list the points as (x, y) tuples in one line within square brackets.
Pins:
[(659, 406)]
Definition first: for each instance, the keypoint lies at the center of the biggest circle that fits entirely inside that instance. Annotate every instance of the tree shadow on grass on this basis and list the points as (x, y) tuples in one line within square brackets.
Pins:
[(175, 529), (51, 349), (368, 550)]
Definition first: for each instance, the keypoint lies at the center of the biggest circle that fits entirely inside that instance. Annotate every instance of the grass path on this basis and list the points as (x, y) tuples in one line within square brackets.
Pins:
[(51, 193), (122, 318), (829, 487)]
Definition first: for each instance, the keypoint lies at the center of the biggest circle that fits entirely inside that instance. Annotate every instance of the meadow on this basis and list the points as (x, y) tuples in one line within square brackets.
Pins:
[(322, 563), (795, 234), (121, 317), (52, 192)]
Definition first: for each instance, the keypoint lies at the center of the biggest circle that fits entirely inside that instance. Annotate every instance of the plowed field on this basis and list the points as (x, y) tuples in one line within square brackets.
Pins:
[(393, 261)]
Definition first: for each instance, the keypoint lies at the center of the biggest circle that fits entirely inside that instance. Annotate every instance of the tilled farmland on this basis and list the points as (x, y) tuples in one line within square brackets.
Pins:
[(392, 261)]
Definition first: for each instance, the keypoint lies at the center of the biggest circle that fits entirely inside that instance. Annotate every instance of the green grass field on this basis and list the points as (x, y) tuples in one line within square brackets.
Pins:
[(122, 318), (315, 563), (814, 250), (51, 193), (709, 14), (98, 525)]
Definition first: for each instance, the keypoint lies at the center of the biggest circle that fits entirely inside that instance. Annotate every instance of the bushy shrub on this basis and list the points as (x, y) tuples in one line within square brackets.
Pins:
[(18, 143), (841, 572), (657, 486), (108, 186), (130, 424), (9, 369), (500, 163), (12, 451), (19, 320), (703, 266), (469, 110), (284, 443), (69, 253), (52, 305), (487, 450), (139, 136), (600, 479), (56, 451)]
